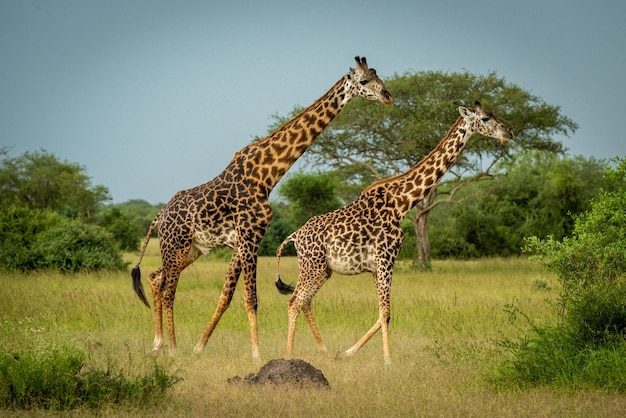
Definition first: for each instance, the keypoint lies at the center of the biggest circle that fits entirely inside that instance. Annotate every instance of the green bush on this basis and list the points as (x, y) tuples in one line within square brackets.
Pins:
[(595, 254), (125, 232), (553, 355), (597, 316), (19, 228), (72, 246), (588, 347), (41, 239), (58, 379)]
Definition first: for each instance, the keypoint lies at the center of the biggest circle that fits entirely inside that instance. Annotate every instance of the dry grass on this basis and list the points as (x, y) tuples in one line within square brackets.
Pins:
[(444, 332)]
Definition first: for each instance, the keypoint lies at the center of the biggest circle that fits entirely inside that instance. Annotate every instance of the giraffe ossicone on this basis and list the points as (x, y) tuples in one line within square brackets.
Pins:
[(233, 209), (365, 235)]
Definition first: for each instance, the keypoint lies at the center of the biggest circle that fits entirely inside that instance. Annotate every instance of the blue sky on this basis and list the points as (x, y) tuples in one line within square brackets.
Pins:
[(152, 97)]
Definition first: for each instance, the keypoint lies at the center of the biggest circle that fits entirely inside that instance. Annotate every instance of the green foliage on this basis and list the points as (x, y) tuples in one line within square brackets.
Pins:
[(537, 197), (48, 199), (38, 180), (72, 246), (596, 251), (302, 195), (309, 194), (279, 229), (588, 347), (597, 315), (140, 213), (19, 229), (555, 356), (407, 251), (125, 232), (58, 379), (41, 239)]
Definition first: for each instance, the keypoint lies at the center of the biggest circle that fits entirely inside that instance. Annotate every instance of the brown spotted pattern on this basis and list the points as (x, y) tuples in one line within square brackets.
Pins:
[(365, 236), (233, 210)]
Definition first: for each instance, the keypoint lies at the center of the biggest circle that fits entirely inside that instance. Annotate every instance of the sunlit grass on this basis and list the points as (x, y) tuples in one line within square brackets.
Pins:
[(445, 329)]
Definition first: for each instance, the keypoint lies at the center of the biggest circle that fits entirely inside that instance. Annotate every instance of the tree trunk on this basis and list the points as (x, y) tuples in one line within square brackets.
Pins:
[(421, 237)]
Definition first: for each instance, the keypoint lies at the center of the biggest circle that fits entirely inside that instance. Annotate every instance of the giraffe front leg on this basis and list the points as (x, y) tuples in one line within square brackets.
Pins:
[(384, 314), (365, 338), (251, 302), (251, 308), (386, 352), (383, 284), (234, 269)]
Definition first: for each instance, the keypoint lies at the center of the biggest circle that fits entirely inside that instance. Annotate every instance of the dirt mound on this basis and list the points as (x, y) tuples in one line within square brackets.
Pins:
[(280, 371)]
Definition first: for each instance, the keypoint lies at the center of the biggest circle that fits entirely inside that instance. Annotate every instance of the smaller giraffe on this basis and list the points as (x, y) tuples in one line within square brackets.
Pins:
[(365, 235)]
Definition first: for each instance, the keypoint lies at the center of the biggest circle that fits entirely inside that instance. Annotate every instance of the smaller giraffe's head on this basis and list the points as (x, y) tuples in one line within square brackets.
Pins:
[(365, 83), (485, 123)]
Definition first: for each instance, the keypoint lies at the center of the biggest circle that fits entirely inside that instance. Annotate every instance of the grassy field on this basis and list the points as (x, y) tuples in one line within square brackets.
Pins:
[(445, 329)]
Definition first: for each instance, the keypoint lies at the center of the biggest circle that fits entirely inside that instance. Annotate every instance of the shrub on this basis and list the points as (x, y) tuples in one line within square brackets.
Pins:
[(58, 379), (588, 347), (41, 239), (124, 230), (72, 246), (597, 316), (19, 228), (553, 355)]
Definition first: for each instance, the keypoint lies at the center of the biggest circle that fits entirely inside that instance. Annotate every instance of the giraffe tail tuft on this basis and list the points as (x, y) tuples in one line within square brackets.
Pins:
[(284, 288), (136, 275)]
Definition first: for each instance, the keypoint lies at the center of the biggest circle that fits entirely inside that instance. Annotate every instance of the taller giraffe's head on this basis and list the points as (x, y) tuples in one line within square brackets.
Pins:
[(364, 82), (485, 123)]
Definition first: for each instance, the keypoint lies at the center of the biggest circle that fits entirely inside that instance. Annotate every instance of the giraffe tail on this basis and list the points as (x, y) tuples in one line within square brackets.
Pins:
[(283, 287), (135, 273)]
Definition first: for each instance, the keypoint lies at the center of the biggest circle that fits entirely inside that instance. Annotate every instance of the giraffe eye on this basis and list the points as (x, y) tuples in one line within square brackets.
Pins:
[(485, 119), (364, 82)]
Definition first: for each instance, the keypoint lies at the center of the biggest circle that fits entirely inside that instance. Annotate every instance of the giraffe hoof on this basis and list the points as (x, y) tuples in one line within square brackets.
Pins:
[(255, 354), (198, 349), (349, 352)]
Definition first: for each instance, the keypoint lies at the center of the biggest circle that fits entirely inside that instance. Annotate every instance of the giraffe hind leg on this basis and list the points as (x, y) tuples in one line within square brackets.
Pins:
[(382, 290), (307, 287), (321, 347), (170, 276), (156, 286)]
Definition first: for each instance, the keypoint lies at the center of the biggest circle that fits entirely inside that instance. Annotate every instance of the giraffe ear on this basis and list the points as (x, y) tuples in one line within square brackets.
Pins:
[(464, 111)]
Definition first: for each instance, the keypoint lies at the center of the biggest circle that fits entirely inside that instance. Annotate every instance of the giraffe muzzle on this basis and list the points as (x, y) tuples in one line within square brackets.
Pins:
[(386, 99)]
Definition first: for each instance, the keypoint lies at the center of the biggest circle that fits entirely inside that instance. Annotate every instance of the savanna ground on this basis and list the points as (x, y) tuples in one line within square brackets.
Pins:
[(445, 329)]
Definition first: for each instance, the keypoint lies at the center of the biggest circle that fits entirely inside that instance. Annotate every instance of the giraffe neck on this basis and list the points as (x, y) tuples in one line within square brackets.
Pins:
[(274, 155), (409, 188)]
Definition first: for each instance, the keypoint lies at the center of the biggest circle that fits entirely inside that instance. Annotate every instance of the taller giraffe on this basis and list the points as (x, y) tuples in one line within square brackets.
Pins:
[(233, 210), (365, 235)]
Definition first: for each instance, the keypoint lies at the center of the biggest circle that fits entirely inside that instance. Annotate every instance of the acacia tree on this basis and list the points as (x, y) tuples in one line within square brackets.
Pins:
[(366, 143)]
